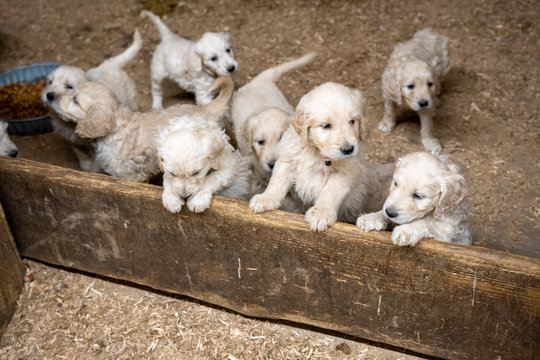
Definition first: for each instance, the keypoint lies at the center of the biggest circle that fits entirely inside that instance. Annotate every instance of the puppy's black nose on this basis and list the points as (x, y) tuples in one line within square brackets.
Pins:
[(423, 103), (13, 153), (391, 212), (347, 149), (231, 69), (50, 96), (271, 164)]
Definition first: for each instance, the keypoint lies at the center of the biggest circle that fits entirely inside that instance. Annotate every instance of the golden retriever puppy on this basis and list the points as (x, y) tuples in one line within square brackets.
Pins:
[(126, 140), (7, 147), (65, 80), (192, 65), (321, 154), (412, 80), (428, 199), (261, 114), (198, 162)]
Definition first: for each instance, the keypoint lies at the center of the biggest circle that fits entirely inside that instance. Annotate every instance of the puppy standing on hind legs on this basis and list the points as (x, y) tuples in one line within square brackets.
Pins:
[(413, 79), (427, 199)]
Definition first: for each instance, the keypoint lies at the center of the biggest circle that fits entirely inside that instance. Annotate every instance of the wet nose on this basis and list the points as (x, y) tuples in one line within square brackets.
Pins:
[(347, 149), (423, 103), (50, 96), (231, 68), (271, 164), (13, 153), (391, 213)]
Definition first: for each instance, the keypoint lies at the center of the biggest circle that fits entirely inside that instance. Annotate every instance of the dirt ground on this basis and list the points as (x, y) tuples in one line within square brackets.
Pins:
[(488, 121)]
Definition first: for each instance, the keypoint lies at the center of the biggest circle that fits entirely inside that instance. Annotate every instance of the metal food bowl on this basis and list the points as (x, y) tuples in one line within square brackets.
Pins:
[(28, 74)]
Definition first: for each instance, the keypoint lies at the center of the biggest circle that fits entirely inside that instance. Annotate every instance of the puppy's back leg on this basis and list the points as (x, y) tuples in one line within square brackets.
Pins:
[(388, 123)]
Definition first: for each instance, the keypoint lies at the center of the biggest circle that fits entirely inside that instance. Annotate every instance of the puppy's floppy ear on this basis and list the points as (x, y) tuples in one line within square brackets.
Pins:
[(359, 104), (247, 135), (300, 123), (391, 84), (99, 120), (453, 191)]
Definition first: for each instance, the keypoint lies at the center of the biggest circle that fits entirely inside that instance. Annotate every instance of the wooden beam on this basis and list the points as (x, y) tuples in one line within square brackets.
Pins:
[(439, 299), (11, 273)]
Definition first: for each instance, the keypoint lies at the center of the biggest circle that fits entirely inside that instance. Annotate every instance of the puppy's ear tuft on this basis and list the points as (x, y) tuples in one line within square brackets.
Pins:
[(453, 191), (247, 135), (391, 85), (300, 123)]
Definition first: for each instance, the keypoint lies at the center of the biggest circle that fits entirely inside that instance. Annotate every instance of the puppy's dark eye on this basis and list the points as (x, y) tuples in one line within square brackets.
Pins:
[(228, 51), (213, 58), (211, 170), (410, 86), (430, 84), (69, 86), (195, 173), (49, 82), (351, 122), (395, 183), (172, 174), (260, 142), (327, 126), (417, 196)]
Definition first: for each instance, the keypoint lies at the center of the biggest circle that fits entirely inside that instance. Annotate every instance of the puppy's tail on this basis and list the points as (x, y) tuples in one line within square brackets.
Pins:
[(273, 74), (160, 25), (128, 55), (217, 107)]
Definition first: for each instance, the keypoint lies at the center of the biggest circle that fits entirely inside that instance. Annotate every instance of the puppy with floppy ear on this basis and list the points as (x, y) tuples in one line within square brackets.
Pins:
[(7, 147), (198, 162), (412, 80), (192, 65), (321, 155), (427, 199), (125, 142)]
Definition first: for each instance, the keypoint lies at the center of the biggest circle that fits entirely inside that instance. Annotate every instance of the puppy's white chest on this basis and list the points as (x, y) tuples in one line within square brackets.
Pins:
[(311, 178)]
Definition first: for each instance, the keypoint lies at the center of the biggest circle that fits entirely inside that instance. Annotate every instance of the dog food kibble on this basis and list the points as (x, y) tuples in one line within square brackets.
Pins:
[(22, 100)]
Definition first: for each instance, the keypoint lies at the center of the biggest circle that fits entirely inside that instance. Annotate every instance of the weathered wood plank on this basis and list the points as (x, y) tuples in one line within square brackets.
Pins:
[(439, 299), (11, 273)]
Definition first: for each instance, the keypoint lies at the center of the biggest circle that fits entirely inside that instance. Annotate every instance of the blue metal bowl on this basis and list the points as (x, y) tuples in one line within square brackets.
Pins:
[(28, 74)]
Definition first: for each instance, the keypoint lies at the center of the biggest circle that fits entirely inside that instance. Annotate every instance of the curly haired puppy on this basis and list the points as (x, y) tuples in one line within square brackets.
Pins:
[(321, 154), (413, 79), (428, 199), (7, 147), (126, 140), (192, 65), (261, 114), (198, 162), (65, 80)]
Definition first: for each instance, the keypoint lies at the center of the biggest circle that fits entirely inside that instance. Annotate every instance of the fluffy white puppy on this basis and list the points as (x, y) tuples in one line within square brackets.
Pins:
[(192, 65), (7, 147), (428, 199), (321, 155), (412, 80), (261, 114), (126, 140), (65, 80), (198, 162)]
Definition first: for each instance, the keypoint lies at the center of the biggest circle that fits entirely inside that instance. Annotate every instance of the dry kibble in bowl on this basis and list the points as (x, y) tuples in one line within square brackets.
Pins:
[(22, 100)]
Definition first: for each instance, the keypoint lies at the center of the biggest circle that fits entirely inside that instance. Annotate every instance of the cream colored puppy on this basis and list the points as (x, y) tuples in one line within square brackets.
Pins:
[(126, 140), (412, 80), (198, 162), (321, 155), (428, 199), (65, 80), (192, 65), (261, 114), (7, 147)]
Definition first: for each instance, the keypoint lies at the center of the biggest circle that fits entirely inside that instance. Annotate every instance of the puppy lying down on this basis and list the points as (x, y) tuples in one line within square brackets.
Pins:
[(198, 162), (427, 199)]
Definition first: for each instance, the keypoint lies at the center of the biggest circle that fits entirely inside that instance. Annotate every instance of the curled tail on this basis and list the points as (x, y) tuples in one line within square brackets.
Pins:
[(273, 74), (160, 25), (217, 107), (125, 57)]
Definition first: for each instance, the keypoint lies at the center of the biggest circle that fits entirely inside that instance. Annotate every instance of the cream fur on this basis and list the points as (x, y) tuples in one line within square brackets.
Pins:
[(198, 162), (321, 155), (192, 65), (412, 80), (126, 140), (428, 199), (7, 147)]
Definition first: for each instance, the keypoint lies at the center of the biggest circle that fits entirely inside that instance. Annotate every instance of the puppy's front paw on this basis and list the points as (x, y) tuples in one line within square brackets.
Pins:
[(200, 202), (386, 125), (374, 221), (261, 203), (405, 235), (432, 145), (320, 218), (172, 203)]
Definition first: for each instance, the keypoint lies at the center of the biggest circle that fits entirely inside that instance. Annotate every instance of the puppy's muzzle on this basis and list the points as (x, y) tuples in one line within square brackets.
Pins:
[(391, 213), (50, 96), (423, 103), (13, 153), (231, 69), (347, 149)]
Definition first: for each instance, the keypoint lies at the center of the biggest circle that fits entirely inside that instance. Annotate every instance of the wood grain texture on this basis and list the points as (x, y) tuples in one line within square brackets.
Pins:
[(11, 273), (438, 299)]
